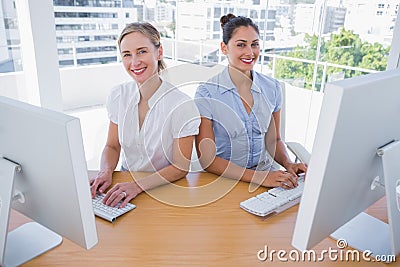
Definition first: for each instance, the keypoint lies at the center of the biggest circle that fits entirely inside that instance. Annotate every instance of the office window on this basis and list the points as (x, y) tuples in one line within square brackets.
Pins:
[(10, 52), (85, 15), (65, 51), (89, 3), (84, 38), (10, 23), (96, 61), (342, 40), (286, 20), (217, 26), (69, 62), (291, 20), (271, 14), (253, 14), (95, 49), (12, 42), (63, 2), (128, 3), (270, 26), (217, 12), (105, 38)]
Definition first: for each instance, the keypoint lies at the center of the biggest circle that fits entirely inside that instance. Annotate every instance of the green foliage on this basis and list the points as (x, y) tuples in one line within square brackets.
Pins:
[(172, 26), (375, 56), (344, 48)]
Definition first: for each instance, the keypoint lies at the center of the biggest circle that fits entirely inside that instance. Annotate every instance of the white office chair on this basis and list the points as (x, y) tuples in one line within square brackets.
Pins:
[(299, 151)]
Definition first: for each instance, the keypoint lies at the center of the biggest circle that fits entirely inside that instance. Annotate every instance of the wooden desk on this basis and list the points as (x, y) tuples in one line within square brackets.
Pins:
[(217, 234)]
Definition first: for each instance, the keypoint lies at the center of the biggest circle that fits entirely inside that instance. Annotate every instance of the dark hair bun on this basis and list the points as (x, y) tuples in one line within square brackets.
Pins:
[(226, 18)]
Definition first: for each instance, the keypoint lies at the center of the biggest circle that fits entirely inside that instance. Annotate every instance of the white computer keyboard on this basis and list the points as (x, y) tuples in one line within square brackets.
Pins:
[(109, 213), (274, 200)]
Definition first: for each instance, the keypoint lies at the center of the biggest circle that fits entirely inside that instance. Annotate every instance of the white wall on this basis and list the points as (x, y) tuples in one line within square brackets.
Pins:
[(88, 86), (12, 85), (81, 87), (302, 112)]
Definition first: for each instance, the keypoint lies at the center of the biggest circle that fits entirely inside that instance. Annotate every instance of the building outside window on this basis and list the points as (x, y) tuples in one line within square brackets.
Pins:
[(323, 33)]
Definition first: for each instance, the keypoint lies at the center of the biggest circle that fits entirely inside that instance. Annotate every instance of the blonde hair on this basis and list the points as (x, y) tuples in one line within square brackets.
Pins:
[(147, 30)]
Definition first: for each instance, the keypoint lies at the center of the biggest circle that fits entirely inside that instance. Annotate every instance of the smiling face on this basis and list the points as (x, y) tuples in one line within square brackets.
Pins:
[(242, 49), (139, 56)]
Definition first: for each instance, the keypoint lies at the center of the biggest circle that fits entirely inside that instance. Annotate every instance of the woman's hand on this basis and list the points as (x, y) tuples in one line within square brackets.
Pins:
[(101, 182), (295, 168), (122, 191), (280, 178)]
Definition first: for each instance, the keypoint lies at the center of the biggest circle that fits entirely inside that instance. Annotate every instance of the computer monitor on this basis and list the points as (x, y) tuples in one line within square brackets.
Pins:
[(354, 162), (43, 175)]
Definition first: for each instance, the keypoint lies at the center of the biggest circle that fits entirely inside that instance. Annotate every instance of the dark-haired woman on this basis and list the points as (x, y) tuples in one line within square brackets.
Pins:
[(240, 111), (151, 121)]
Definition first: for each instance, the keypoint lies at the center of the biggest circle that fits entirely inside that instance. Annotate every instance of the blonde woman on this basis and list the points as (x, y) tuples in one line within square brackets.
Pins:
[(151, 121)]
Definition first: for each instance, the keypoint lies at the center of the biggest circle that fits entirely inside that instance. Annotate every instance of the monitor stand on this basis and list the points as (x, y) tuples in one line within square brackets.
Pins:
[(27, 241), (367, 233)]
